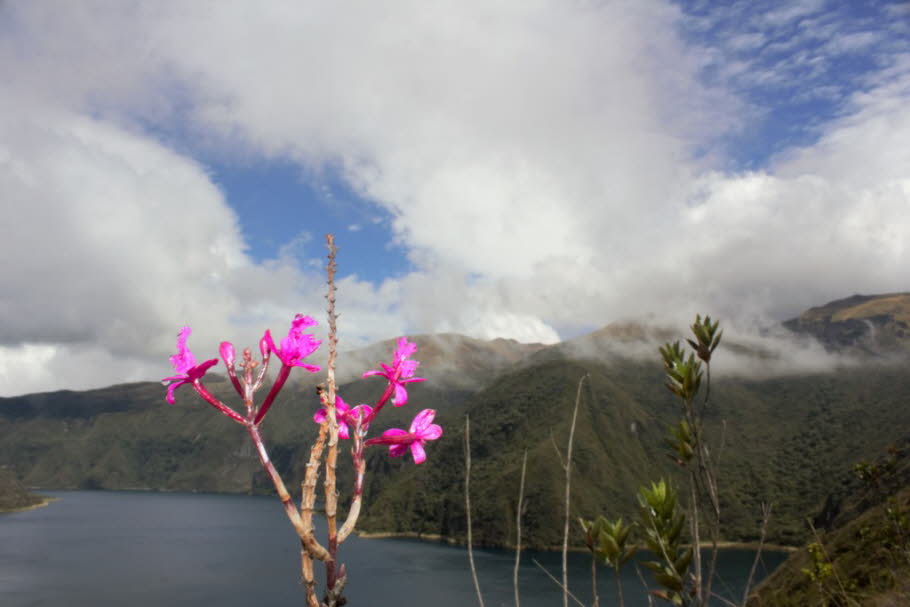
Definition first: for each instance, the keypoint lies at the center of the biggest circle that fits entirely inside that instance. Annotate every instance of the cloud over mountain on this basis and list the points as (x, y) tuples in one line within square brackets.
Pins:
[(549, 168)]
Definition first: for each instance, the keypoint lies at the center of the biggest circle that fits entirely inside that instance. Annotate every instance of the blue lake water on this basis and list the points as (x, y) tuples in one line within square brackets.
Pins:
[(99, 549)]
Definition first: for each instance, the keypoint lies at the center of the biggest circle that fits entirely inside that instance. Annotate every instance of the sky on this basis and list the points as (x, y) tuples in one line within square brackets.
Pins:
[(528, 169)]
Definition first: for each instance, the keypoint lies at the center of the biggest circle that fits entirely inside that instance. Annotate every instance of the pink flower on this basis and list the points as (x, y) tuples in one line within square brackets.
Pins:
[(296, 346), (184, 362), (422, 429), (344, 415), (401, 372)]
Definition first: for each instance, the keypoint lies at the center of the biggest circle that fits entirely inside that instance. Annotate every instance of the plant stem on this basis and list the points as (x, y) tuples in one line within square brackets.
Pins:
[(696, 539), (298, 523), (552, 577), (282, 377), (467, 503), (594, 580), (568, 467), (314, 549), (359, 468), (521, 492), (329, 484), (766, 516), (210, 399), (622, 603)]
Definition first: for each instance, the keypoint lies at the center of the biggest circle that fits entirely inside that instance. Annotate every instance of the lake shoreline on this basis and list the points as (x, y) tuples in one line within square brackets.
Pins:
[(435, 537), (41, 504)]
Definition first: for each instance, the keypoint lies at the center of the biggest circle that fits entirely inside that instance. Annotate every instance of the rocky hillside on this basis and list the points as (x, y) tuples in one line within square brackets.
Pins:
[(870, 324)]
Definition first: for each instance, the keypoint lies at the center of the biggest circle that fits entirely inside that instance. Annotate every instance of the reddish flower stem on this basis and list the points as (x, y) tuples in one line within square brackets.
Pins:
[(386, 395), (397, 439), (359, 468), (210, 399), (232, 374), (276, 388)]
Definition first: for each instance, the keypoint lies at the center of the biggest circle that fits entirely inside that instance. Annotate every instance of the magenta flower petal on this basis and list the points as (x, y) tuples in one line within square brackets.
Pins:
[(417, 451), (187, 371), (401, 372), (183, 359), (343, 431), (297, 345), (422, 420), (432, 432), (404, 349), (341, 415), (397, 450), (363, 410), (401, 396), (170, 392)]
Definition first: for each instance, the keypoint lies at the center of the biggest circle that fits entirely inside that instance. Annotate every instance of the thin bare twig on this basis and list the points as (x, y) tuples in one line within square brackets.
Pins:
[(552, 577), (565, 535), (467, 503), (562, 464), (521, 493), (645, 584), (594, 580), (766, 516), (723, 600), (696, 537)]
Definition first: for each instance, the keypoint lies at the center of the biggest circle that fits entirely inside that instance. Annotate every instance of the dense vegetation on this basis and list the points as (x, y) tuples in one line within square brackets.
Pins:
[(13, 496), (861, 553)]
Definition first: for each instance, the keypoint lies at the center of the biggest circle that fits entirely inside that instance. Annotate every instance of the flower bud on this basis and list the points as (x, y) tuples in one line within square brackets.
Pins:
[(227, 353)]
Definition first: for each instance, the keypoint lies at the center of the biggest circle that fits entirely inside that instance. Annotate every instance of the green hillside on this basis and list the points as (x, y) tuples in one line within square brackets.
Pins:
[(861, 555), (786, 438)]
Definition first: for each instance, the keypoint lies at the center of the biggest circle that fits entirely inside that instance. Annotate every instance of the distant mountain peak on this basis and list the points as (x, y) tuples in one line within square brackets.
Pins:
[(874, 324)]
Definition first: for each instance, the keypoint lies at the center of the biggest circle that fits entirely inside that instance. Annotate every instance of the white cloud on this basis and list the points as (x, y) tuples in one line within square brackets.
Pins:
[(113, 242), (545, 165)]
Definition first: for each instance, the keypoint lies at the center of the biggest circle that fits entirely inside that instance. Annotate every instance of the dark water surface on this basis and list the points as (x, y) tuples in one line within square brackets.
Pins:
[(98, 549)]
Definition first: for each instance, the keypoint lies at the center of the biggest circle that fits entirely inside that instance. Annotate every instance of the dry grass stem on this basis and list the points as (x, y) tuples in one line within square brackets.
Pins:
[(558, 583), (467, 504), (521, 493), (766, 516), (568, 467)]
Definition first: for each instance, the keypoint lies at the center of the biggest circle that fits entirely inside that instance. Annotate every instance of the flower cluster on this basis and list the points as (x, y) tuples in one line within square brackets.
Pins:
[(292, 351)]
